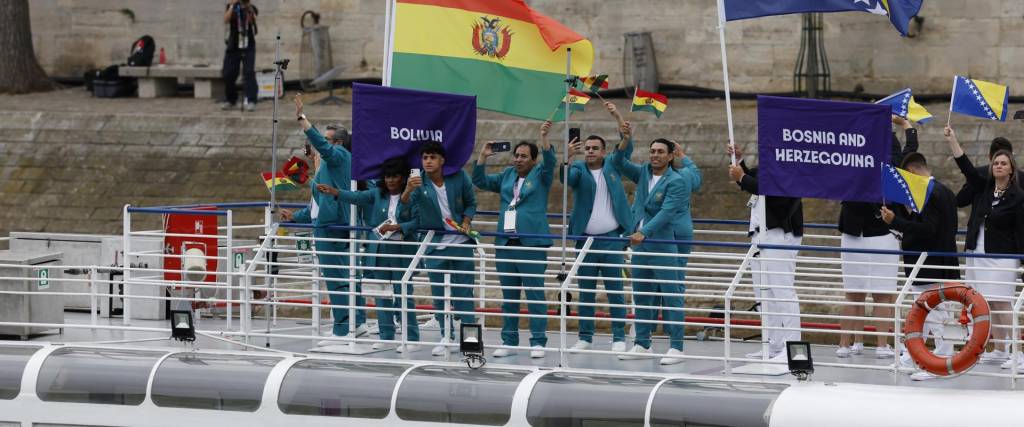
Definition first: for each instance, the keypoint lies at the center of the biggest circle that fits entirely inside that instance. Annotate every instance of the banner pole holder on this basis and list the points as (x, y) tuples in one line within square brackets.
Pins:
[(725, 78)]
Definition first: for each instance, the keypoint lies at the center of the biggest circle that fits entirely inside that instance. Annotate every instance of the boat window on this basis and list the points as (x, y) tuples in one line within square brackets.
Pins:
[(12, 366), (713, 403), (217, 382), (339, 389), (458, 395), (570, 400), (90, 375)]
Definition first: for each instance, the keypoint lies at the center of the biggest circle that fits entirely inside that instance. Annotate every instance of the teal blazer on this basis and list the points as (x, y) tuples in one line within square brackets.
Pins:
[(377, 207), (336, 171), (584, 189), (684, 222), (531, 211), (658, 207), (427, 213)]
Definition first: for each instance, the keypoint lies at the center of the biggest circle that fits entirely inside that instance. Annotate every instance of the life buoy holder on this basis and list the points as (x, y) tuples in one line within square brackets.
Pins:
[(975, 311)]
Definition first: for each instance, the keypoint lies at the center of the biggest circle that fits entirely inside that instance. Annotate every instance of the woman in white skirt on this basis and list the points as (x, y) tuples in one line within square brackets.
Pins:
[(996, 226), (870, 273)]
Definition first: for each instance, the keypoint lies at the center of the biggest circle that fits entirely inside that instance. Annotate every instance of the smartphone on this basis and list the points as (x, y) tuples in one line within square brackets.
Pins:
[(414, 173), (501, 146), (1018, 115), (574, 133)]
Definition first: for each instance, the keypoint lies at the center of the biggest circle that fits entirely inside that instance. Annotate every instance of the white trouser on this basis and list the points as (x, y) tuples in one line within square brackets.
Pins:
[(772, 272), (933, 325)]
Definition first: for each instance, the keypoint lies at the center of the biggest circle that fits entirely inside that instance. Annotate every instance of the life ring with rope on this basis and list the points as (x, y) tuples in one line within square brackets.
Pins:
[(976, 312)]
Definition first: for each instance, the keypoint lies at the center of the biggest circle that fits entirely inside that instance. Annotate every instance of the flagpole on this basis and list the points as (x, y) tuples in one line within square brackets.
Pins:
[(949, 115), (389, 33), (565, 160), (725, 77)]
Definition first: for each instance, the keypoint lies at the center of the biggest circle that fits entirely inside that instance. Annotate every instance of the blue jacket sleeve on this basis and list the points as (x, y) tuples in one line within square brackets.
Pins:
[(675, 198), (468, 197), (624, 165), (574, 175), (485, 181), (547, 167), (333, 154), (302, 216), (363, 198), (690, 168), (412, 224)]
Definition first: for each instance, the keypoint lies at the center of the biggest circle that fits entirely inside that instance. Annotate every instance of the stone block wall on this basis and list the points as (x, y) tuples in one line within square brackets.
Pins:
[(981, 38)]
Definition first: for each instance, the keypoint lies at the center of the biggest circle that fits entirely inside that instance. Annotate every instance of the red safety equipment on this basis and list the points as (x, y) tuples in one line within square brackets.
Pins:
[(976, 311), (187, 231)]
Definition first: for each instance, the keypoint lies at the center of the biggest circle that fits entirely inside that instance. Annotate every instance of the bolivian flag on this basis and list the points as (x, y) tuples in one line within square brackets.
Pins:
[(508, 55), (649, 101), (281, 181), (593, 84)]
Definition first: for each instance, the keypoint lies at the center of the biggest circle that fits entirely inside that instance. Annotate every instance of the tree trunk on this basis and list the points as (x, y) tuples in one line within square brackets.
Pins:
[(19, 70)]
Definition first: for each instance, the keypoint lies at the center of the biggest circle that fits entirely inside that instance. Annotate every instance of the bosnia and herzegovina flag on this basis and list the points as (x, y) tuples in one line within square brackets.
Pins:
[(980, 99), (650, 102), (900, 12), (904, 105), (905, 188), (508, 55)]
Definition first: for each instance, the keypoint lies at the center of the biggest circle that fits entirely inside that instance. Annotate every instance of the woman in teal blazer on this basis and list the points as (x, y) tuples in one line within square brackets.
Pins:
[(388, 261)]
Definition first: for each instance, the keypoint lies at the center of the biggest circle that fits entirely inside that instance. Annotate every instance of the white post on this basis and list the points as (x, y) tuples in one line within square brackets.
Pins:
[(564, 290), (949, 115), (897, 339), (353, 284), (728, 305), (92, 296), (447, 321), (725, 76), (389, 35), (565, 160), (126, 307), (229, 269)]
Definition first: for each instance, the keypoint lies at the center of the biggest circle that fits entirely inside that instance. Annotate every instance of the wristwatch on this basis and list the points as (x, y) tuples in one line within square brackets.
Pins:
[(301, 117)]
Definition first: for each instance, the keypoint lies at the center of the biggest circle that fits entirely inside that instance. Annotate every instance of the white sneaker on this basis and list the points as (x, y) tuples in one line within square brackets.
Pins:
[(441, 349), (362, 330), (619, 346), (408, 348), (503, 352), (637, 352), (374, 328), (906, 361), (923, 376), (537, 352), (843, 352), (383, 346), (326, 331), (326, 343), (430, 325), (582, 345), (669, 360), (1017, 358), (884, 352), (858, 348), (996, 356)]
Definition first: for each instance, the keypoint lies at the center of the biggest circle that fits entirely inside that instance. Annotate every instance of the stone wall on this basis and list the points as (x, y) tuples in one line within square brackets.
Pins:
[(981, 38)]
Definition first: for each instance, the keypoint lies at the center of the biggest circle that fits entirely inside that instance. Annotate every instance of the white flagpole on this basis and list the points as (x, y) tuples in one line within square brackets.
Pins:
[(565, 157), (949, 115), (389, 35), (725, 77)]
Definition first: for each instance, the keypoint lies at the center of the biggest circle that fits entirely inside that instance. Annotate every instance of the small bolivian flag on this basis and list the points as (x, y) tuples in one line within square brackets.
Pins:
[(593, 84), (649, 101), (577, 100), (281, 181)]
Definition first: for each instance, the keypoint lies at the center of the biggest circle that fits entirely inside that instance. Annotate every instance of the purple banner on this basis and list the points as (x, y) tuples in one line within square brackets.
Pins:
[(389, 122), (822, 149)]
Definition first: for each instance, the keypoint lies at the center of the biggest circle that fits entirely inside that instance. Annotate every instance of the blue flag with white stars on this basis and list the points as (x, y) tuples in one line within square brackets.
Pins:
[(900, 12)]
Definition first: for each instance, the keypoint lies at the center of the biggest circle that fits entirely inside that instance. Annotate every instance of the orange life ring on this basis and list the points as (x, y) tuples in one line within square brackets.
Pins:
[(977, 311)]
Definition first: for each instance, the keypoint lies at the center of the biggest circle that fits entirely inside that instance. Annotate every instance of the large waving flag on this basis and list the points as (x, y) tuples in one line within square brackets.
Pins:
[(980, 99), (900, 12), (508, 55), (905, 188), (903, 105)]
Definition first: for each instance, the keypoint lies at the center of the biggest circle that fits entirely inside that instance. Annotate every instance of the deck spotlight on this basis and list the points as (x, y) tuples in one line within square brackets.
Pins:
[(471, 344), (182, 328), (798, 355)]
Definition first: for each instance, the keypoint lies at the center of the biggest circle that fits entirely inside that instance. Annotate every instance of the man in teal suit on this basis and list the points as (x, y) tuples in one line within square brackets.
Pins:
[(445, 197), (388, 259), (524, 189), (660, 196), (333, 165), (600, 210)]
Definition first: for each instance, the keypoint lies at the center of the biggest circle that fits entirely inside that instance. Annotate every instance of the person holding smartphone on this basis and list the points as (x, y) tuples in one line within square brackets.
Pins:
[(240, 48), (436, 198), (389, 261), (524, 189), (600, 209)]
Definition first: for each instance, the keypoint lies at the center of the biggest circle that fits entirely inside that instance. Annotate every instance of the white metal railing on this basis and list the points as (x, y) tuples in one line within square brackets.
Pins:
[(282, 272)]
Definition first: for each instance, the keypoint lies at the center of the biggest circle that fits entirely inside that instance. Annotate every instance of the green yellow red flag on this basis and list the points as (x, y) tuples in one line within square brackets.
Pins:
[(507, 54), (650, 102)]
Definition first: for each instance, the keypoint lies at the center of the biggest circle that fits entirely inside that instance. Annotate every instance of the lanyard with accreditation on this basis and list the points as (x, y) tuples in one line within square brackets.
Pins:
[(510, 213)]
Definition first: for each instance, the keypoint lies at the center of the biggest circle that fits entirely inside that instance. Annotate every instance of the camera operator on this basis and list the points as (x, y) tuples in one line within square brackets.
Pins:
[(240, 18)]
